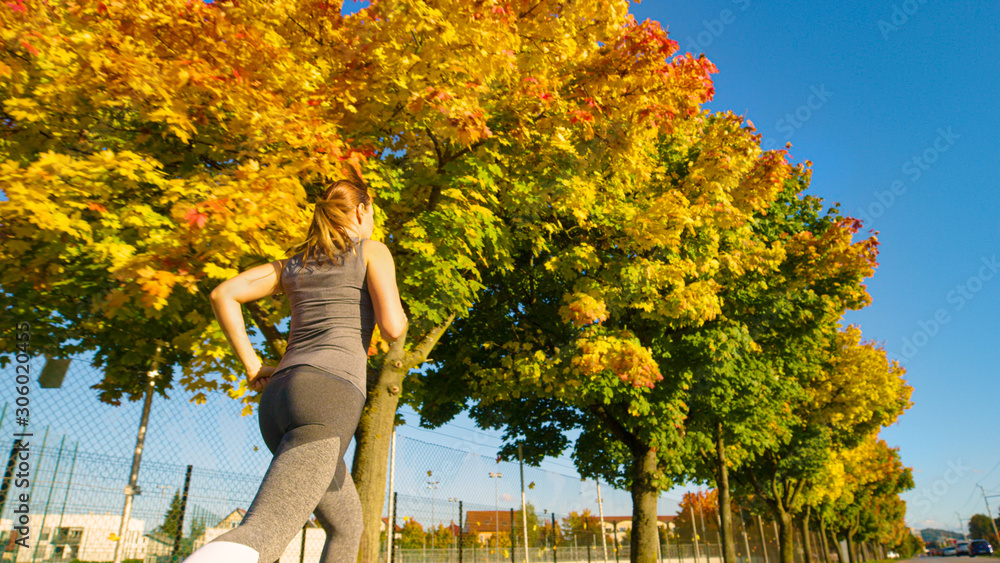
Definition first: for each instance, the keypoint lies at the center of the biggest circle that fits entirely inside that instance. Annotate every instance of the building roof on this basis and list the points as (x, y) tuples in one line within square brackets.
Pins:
[(234, 516), (486, 521), (385, 524)]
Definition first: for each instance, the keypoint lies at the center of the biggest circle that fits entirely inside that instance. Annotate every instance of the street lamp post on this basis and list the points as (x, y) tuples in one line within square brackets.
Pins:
[(433, 486), (496, 505), (163, 493)]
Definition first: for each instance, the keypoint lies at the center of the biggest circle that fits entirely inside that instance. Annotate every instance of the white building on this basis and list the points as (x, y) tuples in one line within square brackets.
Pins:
[(88, 537)]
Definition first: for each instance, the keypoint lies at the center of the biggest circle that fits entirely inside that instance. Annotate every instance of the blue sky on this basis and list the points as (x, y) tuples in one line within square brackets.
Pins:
[(895, 104)]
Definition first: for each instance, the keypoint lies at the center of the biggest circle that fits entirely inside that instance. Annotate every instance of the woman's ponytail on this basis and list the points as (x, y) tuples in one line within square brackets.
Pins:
[(328, 233)]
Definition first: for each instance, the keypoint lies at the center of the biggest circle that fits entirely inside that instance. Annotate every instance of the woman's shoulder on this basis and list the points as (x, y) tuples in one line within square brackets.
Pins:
[(374, 250)]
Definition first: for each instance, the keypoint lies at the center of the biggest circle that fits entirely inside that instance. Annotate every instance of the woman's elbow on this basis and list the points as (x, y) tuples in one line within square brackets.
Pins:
[(220, 293), (395, 328)]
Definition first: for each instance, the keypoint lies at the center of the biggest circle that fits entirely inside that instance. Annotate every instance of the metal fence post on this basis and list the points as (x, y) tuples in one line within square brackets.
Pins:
[(180, 523), (555, 538), (392, 528), (513, 537)]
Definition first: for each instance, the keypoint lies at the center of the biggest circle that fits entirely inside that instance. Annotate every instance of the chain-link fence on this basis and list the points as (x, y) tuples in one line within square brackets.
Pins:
[(201, 466)]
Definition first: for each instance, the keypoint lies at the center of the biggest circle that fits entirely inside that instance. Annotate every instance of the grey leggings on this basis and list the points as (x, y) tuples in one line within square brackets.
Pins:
[(307, 418)]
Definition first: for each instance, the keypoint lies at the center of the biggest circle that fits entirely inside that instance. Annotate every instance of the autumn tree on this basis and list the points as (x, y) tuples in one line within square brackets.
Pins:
[(773, 324), (697, 516), (911, 546), (152, 150), (552, 534), (574, 337), (534, 530), (819, 498), (440, 537), (868, 507), (854, 391), (580, 524), (412, 536)]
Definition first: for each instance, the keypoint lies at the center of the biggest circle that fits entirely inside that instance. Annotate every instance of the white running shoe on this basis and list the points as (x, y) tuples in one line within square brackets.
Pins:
[(223, 552)]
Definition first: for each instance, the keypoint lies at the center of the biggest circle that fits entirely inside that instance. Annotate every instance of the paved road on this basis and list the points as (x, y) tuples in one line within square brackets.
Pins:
[(953, 559)]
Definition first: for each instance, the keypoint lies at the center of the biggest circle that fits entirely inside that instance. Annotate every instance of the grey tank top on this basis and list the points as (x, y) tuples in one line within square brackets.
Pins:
[(332, 315)]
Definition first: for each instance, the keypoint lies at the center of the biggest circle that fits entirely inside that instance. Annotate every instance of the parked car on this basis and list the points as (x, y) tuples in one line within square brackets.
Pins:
[(948, 551), (980, 547), (892, 555), (961, 547)]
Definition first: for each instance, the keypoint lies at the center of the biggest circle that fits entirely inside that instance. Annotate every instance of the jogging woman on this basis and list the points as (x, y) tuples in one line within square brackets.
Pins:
[(339, 284)]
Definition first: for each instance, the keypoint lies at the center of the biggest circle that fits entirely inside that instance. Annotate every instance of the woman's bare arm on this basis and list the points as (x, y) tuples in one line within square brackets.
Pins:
[(382, 287), (257, 282)]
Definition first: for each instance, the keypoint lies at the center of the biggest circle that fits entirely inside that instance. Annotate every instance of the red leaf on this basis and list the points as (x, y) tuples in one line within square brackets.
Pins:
[(30, 49), (194, 217)]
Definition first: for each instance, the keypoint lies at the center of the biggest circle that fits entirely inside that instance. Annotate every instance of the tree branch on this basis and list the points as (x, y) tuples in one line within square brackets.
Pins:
[(797, 491), (306, 31), (437, 148), (532, 9), (270, 332), (421, 351), (774, 490), (622, 433)]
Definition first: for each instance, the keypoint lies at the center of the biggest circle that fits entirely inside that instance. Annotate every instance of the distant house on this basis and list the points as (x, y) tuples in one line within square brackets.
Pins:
[(484, 524), (315, 538), (229, 522), (88, 537), (617, 526), (625, 522), (398, 528), (159, 545)]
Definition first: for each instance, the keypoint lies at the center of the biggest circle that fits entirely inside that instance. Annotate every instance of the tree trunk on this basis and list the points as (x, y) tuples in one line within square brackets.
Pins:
[(841, 558), (374, 433), (786, 541), (725, 505), (822, 540), (644, 496), (806, 544), (372, 449), (851, 552)]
